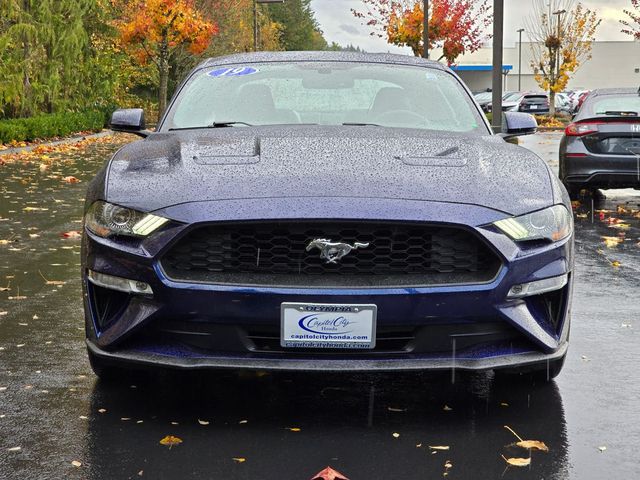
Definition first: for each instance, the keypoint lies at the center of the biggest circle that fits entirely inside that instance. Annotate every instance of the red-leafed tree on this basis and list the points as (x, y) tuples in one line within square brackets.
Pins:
[(154, 30), (455, 26), (631, 26)]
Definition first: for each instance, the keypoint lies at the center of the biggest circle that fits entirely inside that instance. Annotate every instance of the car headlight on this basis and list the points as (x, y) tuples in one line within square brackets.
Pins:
[(553, 223), (106, 219)]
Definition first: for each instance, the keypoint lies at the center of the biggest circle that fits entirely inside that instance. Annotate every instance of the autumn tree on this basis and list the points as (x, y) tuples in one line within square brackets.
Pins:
[(562, 34), (455, 26), (155, 30), (631, 26)]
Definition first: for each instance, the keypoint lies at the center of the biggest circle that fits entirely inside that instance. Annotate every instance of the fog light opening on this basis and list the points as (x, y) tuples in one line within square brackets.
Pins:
[(538, 287), (120, 284)]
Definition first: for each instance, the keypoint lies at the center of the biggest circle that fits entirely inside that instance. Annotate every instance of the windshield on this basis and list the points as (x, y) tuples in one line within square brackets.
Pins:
[(610, 103), (324, 94), (512, 97)]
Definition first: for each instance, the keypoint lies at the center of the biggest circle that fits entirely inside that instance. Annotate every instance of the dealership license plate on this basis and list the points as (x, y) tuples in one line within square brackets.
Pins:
[(321, 325)]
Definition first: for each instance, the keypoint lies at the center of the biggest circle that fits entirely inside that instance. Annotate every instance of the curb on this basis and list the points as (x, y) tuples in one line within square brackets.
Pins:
[(64, 141)]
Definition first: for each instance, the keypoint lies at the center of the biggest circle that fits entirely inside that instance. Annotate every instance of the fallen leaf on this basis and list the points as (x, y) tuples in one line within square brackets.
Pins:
[(602, 449), (439, 447), (533, 445), (203, 422), (294, 429), (448, 464), (239, 459), (71, 234), (329, 474), (615, 264), (242, 422), (447, 408), (395, 435), (612, 242), (70, 179), (102, 410), (517, 462), (170, 441), (14, 449), (392, 409), (3, 313), (76, 463)]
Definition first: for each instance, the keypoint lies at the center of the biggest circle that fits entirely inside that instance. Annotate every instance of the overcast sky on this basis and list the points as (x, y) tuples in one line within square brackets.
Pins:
[(339, 25)]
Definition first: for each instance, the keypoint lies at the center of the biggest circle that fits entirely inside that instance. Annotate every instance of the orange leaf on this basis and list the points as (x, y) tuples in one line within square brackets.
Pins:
[(170, 441)]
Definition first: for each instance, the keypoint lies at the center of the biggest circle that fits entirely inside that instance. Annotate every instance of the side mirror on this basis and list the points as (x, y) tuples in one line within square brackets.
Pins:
[(129, 120), (516, 124)]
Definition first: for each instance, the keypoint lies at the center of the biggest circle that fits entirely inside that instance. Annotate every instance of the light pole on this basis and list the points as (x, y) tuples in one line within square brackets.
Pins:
[(496, 84), (552, 96), (520, 59), (255, 19), (425, 30)]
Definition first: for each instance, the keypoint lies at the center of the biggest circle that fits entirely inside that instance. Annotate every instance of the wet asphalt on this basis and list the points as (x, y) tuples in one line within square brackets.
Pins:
[(54, 412)]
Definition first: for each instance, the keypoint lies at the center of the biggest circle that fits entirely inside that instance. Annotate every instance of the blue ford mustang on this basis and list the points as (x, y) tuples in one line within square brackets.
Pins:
[(331, 212)]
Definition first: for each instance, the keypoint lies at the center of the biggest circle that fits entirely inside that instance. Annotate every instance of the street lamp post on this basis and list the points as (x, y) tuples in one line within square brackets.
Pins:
[(552, 97), (255, 19), (520, 59), (496, 84), (425, 30)]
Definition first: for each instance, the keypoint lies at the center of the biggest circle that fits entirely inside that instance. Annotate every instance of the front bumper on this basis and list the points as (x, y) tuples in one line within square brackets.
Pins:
[(473, 327), (136, 358)]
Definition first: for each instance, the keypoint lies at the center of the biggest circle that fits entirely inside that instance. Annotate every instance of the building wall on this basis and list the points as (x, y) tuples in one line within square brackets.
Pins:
[(613, 64)]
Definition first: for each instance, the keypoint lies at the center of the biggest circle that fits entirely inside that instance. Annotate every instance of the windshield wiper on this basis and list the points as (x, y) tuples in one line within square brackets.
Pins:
[(618, 113), (213, 125), (358, 124)]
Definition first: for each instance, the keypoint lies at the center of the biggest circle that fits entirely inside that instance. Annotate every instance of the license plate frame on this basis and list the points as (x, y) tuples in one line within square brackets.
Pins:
[(328, 326)]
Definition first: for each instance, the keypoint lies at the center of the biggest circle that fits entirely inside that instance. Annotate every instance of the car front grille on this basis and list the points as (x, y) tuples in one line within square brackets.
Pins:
[(275, 254)]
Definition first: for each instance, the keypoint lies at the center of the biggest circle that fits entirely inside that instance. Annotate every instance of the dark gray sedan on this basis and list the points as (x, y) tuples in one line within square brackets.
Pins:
[(601, 148)]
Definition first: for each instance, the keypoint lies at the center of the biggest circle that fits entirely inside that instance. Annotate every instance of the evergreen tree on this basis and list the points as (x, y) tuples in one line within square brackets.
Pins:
[(299, 28)]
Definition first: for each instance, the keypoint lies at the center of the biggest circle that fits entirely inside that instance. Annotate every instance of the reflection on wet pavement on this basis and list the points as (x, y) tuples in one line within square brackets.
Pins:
[(53, 411)]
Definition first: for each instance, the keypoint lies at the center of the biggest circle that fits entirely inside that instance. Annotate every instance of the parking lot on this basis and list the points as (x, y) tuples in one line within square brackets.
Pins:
[(57, 421)]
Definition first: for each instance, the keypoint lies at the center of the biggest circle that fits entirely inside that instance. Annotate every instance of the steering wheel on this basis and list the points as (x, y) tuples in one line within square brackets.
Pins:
[(401, 117)]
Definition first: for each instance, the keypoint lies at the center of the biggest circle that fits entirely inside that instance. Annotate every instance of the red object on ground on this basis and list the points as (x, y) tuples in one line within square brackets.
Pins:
[(329, 474), (71, 234)]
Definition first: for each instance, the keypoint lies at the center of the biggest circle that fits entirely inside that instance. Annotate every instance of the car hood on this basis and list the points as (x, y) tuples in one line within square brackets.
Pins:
[(235, 163)]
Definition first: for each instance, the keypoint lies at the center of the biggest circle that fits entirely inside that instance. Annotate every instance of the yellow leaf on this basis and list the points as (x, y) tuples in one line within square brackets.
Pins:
[(76, 463), (294, 429), (533, 445), (170, 441), (395, 435), (517, 462), (439, 447), (616, 263), (239, 459), (612, 242)]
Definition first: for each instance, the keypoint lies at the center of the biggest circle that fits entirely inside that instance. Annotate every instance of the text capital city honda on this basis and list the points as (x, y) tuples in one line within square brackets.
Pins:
[(328, 212)]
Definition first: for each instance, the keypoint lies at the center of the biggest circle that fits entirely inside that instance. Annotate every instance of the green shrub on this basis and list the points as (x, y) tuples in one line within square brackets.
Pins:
[(51, 125)]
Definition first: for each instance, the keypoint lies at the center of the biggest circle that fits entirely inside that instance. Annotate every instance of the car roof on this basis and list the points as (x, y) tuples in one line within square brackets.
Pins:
[(614, 91), (257, 57)]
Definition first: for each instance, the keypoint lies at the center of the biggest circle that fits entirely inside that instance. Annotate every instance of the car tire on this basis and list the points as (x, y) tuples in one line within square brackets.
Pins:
[(573, 190), (542, 373)]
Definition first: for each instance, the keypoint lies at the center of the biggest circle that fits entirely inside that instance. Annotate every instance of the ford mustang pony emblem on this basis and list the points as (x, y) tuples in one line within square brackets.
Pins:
[(332, 252)]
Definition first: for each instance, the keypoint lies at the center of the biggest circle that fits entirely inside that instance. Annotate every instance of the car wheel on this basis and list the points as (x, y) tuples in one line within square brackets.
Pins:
[(541, 373), (573, 190)]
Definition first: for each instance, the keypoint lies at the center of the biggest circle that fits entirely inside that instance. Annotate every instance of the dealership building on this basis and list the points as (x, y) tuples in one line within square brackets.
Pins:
[(612, 64)]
